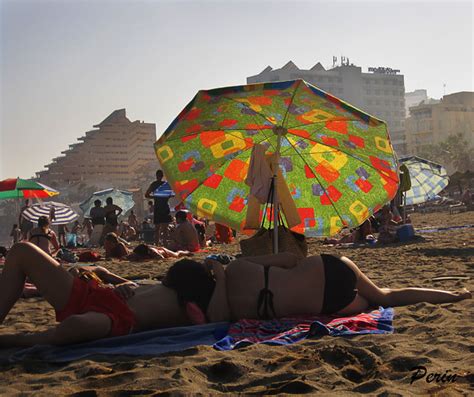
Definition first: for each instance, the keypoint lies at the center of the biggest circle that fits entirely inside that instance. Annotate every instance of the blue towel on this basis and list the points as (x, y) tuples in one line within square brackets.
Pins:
[(147, 343)]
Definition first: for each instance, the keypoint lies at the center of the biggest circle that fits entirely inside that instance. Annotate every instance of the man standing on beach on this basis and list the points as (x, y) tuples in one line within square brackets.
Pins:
[(161, 212)]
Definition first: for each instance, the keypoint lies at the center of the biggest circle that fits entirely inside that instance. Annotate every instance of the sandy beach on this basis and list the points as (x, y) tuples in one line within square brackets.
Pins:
[(438, 337)]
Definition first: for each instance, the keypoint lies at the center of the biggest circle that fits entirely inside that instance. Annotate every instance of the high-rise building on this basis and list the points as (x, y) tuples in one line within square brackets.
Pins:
[(108, 156), (434, 121), (380, 92)]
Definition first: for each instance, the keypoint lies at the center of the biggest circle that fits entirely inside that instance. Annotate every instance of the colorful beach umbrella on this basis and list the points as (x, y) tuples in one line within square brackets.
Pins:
[(338, 161), (63, 214), (14, 188), (122, 198), (427, 179)]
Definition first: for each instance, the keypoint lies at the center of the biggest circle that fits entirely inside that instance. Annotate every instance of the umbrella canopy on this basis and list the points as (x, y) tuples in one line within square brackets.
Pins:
[(427, 179), (122, 198), (337, 161), (63, 213), (24, 188)]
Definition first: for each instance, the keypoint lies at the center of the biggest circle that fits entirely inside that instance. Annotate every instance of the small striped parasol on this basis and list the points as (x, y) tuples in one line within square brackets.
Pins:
[(63, 214)]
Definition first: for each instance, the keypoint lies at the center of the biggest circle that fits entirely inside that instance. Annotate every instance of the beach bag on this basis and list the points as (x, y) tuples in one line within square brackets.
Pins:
[(261, 243)]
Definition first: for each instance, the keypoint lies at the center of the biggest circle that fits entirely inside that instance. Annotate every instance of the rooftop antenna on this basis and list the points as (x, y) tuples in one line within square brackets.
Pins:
[(444, 89)]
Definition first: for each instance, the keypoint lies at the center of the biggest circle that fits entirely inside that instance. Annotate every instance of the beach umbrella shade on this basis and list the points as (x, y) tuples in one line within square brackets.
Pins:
[(15, 188), (338, 161), (427, 179), (122, 198), (63, 213)]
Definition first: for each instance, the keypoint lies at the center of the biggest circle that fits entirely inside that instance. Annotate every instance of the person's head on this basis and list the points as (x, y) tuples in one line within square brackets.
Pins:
[(15, 226), (181, 216), (143, 251), (131, 212), (27, 202), (97, 203), (192, 281), (159, 175), (109, 201), (111, 241), (43, 222), (150, 203)]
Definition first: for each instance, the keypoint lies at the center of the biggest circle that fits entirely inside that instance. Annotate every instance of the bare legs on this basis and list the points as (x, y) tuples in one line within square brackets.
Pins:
[(161, 232), (370, 294), (26, 260)]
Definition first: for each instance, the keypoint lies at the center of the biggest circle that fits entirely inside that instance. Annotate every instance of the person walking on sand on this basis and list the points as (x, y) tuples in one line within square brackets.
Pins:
[(161, 210)]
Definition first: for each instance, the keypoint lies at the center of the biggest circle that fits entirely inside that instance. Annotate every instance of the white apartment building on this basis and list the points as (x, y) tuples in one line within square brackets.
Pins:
[(379, 92), (109, 156)]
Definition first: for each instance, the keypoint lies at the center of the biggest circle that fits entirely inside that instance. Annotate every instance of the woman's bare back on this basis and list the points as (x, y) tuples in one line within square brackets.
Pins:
[(297, 290)]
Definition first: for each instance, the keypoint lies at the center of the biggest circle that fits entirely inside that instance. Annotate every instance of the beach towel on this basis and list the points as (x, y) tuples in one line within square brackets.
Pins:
[(294, 329), (223, 336), (148, 343)]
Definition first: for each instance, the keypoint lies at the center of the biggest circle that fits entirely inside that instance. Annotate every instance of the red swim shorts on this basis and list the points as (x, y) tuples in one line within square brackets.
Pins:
[(88, 296)]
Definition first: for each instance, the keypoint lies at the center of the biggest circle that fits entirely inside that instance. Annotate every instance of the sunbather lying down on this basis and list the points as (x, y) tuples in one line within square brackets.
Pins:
[(267, 286)]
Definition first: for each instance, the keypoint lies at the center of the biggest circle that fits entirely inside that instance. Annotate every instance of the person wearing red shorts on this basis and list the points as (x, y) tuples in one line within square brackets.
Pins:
[(85, 309)]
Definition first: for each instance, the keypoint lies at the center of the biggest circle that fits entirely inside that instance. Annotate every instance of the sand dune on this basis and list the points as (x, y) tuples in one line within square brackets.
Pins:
[(437, 337)]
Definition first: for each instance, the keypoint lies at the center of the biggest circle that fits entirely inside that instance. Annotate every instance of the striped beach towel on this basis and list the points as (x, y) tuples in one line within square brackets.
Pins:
[(294, 329)]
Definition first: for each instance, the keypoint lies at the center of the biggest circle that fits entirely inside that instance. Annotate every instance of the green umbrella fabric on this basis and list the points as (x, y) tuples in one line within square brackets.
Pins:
[(338, 161), (24, 188)]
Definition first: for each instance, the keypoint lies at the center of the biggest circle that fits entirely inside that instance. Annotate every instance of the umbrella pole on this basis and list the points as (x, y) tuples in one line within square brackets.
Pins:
[(276, 208)]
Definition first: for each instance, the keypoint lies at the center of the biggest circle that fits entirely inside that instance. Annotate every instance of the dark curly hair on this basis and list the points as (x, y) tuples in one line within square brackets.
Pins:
[(192, 281)]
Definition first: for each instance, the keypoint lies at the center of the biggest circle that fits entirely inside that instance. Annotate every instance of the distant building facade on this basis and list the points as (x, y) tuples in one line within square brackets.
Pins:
[(414, 98), (380, 93), (433, 122), (109, 156)]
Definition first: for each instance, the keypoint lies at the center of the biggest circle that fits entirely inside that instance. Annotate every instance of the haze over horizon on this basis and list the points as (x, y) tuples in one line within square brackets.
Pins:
[(67, 65)]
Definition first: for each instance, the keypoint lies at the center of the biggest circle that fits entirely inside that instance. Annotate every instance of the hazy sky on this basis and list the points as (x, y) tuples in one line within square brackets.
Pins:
[(66, 65)]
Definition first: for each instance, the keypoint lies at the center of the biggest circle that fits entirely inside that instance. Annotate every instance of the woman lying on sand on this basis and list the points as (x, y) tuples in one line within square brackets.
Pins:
[(266, 286), (114, 248), (275, 286)]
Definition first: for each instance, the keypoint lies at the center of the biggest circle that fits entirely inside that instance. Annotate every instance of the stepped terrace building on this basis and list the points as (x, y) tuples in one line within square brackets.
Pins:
[(381, 92), (110, 155)]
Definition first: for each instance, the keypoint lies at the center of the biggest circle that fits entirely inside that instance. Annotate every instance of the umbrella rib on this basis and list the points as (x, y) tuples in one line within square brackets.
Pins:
[(291, 102), (219, 130)]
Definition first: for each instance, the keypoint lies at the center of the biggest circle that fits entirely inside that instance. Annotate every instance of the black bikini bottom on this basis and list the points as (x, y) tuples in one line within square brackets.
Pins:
[(339, 288)]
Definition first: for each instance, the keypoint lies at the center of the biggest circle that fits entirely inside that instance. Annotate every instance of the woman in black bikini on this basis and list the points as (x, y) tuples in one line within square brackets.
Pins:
[(43, 237), (275, 286)]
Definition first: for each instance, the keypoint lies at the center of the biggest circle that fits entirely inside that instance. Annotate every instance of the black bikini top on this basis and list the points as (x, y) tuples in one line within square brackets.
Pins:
[(265, 299)]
